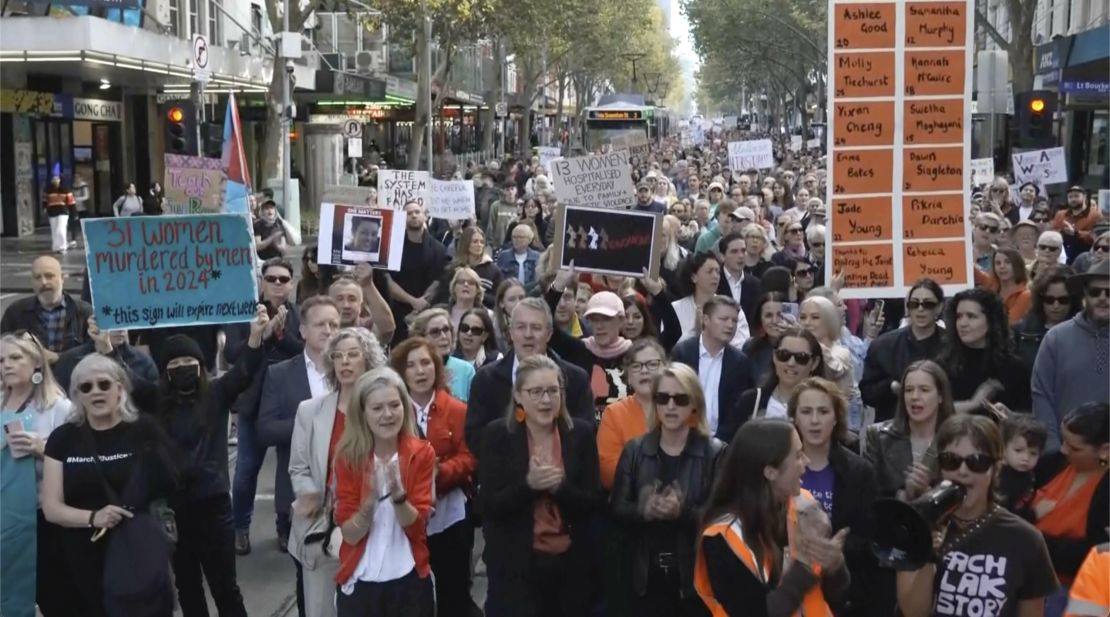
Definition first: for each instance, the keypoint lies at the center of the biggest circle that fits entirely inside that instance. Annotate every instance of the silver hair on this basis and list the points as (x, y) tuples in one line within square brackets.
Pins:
[(367, 342), (90, 366), (815, 232), (537, 305)]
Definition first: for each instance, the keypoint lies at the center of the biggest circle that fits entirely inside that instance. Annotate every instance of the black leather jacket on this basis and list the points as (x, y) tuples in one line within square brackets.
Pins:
[(638, 468), (889, 451)]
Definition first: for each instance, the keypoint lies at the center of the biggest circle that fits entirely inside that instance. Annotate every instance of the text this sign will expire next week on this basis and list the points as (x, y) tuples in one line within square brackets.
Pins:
[(900, 80)]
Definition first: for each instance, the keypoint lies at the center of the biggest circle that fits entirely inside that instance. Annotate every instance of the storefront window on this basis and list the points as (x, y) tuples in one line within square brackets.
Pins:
[(1100, 148)]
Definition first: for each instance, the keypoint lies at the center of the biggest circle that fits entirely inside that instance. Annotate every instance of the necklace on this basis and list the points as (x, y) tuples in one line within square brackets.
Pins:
[(964, 534)]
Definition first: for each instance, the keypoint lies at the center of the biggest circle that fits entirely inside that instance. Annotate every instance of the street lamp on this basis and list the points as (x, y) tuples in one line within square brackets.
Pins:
[(632, 57)]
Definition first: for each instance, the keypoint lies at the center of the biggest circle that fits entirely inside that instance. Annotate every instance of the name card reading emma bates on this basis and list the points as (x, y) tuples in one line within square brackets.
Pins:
[(936, 24), (865, 26), (933, 169), (864, 74), (863, 171), (865, 265), (862, 218), (864, 124), (934, 122)]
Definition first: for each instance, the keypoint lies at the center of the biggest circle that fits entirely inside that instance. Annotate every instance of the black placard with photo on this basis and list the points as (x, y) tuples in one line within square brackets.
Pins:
[(616, 242)]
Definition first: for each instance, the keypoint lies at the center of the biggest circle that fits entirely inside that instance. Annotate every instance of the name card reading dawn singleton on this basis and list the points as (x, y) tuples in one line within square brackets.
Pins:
[(900, 75), (158, 271)]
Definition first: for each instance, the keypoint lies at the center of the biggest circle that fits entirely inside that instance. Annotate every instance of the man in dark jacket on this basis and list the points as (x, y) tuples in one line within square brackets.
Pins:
[(57, 319), (491, 390)]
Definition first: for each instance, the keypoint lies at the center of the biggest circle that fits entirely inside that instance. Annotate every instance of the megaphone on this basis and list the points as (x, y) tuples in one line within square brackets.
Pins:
[(903, 537)]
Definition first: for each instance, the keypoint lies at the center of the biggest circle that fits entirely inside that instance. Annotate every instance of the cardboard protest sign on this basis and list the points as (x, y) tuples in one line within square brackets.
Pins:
[(599, 181), (1046, 166), (616, 242), (982, 171), (158, 271), (548, 154), (813, 144), (193, 184), (396, 187), (354, 230), (795, 143), (452, 200), (752, 154), (899, 139)]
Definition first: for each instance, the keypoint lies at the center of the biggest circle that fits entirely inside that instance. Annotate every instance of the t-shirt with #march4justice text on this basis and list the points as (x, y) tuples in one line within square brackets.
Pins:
[(992, 571)]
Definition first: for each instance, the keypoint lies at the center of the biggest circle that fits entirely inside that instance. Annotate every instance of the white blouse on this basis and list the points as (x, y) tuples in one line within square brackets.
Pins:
[(388, 554)]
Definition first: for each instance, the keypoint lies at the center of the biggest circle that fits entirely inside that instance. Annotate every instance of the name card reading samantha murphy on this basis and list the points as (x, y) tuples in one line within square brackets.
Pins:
[(159, 271)]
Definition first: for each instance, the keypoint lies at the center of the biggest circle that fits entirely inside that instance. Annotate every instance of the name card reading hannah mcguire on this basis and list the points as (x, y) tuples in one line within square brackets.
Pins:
[(159, 271), (900, 77)]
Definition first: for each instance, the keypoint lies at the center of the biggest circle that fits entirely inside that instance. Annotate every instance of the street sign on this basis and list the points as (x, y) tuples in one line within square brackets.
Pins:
[(501, 109), (200, 58), (352, 128), (354, 147)]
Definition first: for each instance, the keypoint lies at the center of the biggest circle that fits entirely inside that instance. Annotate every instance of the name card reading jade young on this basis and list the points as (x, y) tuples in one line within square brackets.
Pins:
[(159, 271), (900, 80)]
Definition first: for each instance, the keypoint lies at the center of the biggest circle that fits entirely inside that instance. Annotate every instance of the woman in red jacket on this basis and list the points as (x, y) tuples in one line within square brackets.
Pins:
[(384, 495), (440, 418)]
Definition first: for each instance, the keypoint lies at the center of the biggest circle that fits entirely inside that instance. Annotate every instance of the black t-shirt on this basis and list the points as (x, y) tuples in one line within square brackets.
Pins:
[(119, 448), (991, 572), (662, 535), (264, 230)]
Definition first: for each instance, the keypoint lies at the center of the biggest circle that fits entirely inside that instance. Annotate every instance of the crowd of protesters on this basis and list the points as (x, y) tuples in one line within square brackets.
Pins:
[(707, 441)]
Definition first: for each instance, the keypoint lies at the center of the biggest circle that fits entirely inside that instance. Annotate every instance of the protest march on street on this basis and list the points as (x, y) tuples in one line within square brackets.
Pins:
[(399, 309)]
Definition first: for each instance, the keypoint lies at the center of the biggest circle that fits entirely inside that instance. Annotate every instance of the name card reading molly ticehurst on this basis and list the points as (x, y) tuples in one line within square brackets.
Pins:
[(160, 271)]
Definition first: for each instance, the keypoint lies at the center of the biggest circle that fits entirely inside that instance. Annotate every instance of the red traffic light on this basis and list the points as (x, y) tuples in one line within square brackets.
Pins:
[(1037, 105), (175, 114)]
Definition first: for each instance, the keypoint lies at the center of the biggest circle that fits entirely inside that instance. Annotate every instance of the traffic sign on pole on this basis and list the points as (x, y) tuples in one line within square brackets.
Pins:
[(352, 128), (200, 58)]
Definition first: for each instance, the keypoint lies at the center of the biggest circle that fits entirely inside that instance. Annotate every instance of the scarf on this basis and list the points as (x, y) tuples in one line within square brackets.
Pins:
[(617, 349)]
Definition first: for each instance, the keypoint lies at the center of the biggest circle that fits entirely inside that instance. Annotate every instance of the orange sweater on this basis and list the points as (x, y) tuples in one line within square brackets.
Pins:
[(1016, 304), (621, 422)]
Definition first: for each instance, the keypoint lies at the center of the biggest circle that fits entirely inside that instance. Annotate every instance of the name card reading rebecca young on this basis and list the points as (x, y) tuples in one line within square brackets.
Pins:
[(159, 271), (900, 78)]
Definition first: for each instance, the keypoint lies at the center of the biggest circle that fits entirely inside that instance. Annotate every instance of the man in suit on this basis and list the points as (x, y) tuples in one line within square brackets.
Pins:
[(724, 371), (734, 283), (530, 329)]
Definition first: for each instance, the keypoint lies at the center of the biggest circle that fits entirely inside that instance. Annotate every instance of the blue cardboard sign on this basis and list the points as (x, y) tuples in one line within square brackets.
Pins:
[(159, 271)]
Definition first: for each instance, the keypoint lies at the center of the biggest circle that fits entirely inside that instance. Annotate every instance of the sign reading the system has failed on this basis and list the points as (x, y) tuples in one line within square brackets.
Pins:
[(602, 181), (158, 271)]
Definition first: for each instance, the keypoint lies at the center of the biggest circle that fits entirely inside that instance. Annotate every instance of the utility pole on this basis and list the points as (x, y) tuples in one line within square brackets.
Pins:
[(428, 80), (286, 122)]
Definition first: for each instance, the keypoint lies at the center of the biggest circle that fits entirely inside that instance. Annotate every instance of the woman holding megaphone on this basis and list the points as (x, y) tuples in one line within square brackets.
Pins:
[(990, 562)]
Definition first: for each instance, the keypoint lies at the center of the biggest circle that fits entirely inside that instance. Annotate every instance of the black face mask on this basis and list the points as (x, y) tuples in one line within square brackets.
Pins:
[(184, 378)]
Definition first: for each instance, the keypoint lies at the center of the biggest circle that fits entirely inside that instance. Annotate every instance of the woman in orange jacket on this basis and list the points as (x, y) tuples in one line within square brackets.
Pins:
[(384, 496), (440, 418)]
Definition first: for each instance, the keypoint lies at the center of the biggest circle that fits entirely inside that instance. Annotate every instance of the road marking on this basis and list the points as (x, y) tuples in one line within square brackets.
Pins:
[(263, 496)]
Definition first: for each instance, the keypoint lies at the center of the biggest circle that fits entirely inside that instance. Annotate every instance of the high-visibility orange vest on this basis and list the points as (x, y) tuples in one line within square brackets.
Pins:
[(728, 527), (1090, 591)]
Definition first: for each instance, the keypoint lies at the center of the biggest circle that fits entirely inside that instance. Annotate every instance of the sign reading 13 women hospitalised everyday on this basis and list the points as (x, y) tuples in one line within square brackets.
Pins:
[(159, 271)]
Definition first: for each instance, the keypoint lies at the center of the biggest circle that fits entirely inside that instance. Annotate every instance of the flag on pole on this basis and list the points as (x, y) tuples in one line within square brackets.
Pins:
[(238, 187)]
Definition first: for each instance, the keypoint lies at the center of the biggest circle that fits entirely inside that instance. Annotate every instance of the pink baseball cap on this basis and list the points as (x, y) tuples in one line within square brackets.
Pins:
[(605, 303)]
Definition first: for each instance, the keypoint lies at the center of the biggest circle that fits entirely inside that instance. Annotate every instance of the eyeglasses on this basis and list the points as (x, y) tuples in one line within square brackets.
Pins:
[(794, 230), (988, 229), (469, 329), (438, 332), (976, 463), (102, 385), (1098, 292), (663, 398), (537, 394), (351, 355), (928, 305), (1061, 300), (650, 365), (466, 283), (801, 357), (272, 278), (998, 190), (1048, 247)]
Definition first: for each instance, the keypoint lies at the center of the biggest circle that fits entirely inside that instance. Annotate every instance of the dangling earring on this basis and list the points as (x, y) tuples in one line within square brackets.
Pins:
[(36, 377), (518, 415)]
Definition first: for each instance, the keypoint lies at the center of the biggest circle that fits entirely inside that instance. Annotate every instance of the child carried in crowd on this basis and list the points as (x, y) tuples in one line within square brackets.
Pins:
[(1024, 437)]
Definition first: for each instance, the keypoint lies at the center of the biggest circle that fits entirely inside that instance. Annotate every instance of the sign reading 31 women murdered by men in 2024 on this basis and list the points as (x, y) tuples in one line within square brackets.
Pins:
[(617, 242)]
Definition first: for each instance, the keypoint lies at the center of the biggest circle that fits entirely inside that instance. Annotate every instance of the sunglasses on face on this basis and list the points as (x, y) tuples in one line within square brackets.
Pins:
[(438, 332), (1048, 248), (928, 305), (976, 463), (281, 280), (469, 329), (102, 385), (663, 398), (988, 229), (801, 357), (1102, 248), (806, 272), (1061, 300), (1098, 292)]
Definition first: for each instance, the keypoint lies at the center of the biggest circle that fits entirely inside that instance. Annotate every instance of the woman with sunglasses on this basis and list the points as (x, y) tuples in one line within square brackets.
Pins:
[(1050, 305), (509, 292), (797, 356), (1072, 503), (1000, 200), (767, 326), (1100, 252), (662, 481), (981, 541), (103, 440), (986, 374), (32, 405), (439, 419), (764, 547), (841, 481), (901, 449), (434, 324), (476, 339), (792, 242), (1009, 279), (384, 477), (540, 491), (317, 428), (1050, 251)]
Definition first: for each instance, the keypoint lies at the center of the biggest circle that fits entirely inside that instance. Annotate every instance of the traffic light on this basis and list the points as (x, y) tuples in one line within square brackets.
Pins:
[(179, 119), (211, 140), (1035, 112)]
